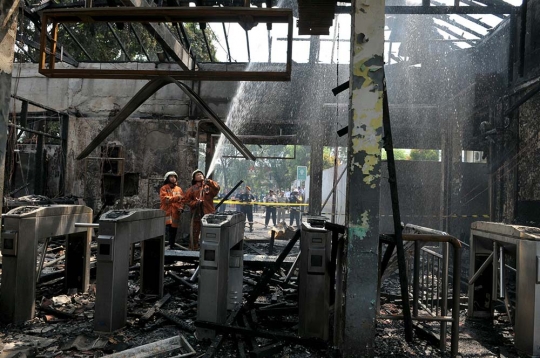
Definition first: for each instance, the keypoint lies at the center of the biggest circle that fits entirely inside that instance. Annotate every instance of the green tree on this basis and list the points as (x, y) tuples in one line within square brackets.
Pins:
[(399, 154), (425, 154), (197, 44), (99, 42)]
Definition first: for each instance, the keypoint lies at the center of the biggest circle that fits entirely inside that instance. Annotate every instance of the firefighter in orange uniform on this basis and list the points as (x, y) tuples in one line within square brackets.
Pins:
[(200, 197), (171, 197)]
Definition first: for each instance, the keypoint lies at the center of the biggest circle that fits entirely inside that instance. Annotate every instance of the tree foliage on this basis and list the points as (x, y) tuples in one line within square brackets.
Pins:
[(425, 154), (399, 154), (99, 42)]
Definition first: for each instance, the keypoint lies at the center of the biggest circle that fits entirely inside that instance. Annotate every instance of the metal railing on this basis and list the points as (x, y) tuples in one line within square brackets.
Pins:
[(430, 271)]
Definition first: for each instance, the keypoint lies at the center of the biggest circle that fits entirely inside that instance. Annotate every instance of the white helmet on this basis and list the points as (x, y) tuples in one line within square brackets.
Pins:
[(168, 174)]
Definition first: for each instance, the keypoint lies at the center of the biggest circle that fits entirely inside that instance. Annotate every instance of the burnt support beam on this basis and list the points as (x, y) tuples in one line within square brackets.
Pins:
[(185, 37), (434, 10), (72, 35), (138, 38), (316, 167), (454, 23), (452, 33), (227, 42), (64, 130), (38, 169), (166, 39), (522, 37), (392, 179), (247, 45), (363, 177), (61, 56), (124, 50), (23, 120)]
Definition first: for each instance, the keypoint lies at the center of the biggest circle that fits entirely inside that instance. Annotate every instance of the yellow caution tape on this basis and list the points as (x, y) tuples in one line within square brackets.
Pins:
[(259, 203)]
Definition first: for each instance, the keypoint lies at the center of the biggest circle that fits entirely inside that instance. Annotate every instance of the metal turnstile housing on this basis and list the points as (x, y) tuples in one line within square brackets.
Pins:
[(24, 227), (118, 230), (314, 278), (524, 243), (221, 267)]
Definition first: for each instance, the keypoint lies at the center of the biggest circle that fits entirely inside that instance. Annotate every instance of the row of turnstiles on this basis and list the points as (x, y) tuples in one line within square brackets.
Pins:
[(221, 266), (220, 263)]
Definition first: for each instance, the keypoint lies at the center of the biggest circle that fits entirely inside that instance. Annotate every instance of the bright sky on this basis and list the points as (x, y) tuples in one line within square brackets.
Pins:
[(330, 52)]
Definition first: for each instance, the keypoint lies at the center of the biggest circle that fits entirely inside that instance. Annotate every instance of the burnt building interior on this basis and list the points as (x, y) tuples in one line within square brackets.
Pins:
[(422, 239)]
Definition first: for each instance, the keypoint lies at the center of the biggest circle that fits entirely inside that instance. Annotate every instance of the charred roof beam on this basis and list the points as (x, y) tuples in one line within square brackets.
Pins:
[(124, 50), (138, 38), (454, 23), (203, 30), (453, 33), (36, 20), (65, 57), (227, 43), (26, 53), (488, 3), (77, 41), (166, 39), (496, 10)]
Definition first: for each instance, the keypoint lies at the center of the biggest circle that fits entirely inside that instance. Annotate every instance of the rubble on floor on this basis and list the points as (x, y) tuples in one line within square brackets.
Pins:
[(63, 326)]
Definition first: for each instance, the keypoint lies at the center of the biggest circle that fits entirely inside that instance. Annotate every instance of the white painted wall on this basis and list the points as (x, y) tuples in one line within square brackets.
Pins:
[(327, 184)]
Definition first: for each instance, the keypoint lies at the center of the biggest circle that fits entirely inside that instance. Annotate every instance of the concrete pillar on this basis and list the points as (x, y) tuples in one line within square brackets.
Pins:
[(316, 168), (8, 30), (363, 177), (314, 48)]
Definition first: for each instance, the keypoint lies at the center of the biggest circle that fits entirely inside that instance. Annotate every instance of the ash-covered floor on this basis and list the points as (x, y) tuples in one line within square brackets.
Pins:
[(63, 326)]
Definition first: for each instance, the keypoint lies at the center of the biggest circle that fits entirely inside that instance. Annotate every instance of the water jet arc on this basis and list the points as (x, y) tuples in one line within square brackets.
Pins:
[(148, 90)]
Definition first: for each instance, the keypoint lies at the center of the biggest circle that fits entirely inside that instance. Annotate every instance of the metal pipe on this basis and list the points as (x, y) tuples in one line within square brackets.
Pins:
[(416, 278), (418, 318), (501, 272), (438, 281), (455, 295), (247, 44), (86, 225), (195, 274), (42, 258), (338, 309), (389, 147), (227, 43), (333, 189), (494, 273), (207, 46), (293, 267), (229, 194), (432, 282), (122, 175), (33, 131), (423, 272), (137, 37), (482, 268), (124, 50), (456, 244), (444, 303), (39, 164)]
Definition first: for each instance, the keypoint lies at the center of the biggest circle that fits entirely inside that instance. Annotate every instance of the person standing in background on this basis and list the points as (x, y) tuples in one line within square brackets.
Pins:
[(295, 210), (270, 209), (247, 208), (171, 199)]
